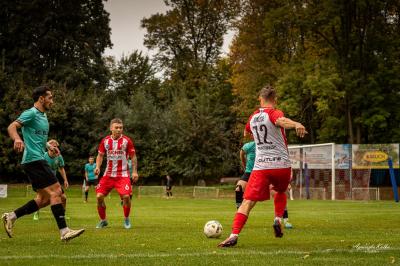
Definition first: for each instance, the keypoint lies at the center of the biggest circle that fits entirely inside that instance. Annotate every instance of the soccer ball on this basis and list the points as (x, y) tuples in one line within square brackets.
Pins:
[(213, 229)]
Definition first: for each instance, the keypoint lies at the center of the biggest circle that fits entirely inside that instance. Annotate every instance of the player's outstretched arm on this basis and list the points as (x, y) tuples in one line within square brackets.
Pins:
[(13, 133), (287, 123)]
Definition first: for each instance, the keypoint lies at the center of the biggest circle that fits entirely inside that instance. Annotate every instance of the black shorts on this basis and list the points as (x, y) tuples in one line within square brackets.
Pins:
[(168, 188), (245, 177), (39, 174), (91, 183)]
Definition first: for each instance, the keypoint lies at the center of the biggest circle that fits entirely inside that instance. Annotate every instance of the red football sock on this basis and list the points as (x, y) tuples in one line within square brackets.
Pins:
[(127, 210), (102, 212), (280, 203), (238, 222)]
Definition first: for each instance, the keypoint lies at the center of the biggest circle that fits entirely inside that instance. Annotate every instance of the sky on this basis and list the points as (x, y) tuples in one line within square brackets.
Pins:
[(126, 33)]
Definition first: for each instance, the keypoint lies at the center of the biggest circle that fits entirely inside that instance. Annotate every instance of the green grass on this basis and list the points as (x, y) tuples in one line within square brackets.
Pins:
[(169, 232)]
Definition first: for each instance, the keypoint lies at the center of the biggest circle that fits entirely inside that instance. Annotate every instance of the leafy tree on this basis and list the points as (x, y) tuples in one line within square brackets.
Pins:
[(132, 73), (55, 40), (328, 60), (188, 37)]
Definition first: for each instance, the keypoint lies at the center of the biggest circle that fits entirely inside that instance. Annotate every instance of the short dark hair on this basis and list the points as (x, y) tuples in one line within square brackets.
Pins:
[(116, 120), (268, 92), (40, 91)]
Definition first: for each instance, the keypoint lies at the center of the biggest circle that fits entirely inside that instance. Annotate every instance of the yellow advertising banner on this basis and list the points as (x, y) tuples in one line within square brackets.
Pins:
[(375, 156)]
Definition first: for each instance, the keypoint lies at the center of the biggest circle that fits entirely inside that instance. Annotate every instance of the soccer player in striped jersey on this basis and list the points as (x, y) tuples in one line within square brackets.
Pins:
[(271, 166), (118, 148), (247, 156)]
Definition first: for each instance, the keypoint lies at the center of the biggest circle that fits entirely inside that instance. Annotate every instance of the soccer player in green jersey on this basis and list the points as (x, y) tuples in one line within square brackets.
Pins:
[(90, 177), (56, 163), (35, 129)]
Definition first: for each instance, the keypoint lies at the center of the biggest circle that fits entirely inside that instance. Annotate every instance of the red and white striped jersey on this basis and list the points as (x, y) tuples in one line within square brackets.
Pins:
[(117, 151), (271, 143)]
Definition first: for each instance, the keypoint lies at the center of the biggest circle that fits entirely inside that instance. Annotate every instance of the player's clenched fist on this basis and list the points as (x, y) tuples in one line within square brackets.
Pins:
[(97, 171), (19, 145)]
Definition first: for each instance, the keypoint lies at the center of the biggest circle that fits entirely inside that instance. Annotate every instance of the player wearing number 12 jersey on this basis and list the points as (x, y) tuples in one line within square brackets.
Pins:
[(272, 164), (118, 149)]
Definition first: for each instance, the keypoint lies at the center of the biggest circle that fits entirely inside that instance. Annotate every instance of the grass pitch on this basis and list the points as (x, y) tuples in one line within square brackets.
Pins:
[(169, 232)]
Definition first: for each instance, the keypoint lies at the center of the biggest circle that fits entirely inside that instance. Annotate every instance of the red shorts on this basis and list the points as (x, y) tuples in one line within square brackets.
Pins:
[(258, 187), (121, 184)]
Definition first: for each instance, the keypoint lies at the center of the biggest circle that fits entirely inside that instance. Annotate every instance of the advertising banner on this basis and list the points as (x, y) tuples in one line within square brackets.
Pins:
[(294, 156), (319, 157), (3, 191), (342, 156), (375, 156)]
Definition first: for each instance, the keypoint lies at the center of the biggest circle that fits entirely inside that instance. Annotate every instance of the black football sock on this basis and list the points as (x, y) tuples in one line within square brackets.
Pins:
[(59, 215), (239, 197), (28, 208), (285, 214), (86, 194)]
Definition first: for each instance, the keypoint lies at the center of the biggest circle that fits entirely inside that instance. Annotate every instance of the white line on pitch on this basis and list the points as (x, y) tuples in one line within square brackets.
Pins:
[(196, 254)]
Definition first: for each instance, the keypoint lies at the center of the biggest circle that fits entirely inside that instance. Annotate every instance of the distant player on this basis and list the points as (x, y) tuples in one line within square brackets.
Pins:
[(118, 149), (35, 129), (90, 176), (247, 157), (56, 163), (271, 166), (168, 186)]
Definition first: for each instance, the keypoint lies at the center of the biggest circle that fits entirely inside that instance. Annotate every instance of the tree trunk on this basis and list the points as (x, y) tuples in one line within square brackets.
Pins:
[(349, 126)]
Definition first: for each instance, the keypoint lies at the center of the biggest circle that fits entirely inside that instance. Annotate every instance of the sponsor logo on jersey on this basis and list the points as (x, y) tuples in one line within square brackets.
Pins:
[(267, 147), (259, 118), (269, 159), (116, 152)]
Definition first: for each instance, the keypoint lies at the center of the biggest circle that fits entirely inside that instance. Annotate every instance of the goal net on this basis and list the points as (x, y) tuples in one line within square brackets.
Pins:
[(205, 192), (324, 171), (178, 191)]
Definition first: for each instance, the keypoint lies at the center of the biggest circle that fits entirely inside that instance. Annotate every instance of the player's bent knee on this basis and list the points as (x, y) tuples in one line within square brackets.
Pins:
[(126, 198), (100, 197), (63, 197), (241, 185), (42, 202)]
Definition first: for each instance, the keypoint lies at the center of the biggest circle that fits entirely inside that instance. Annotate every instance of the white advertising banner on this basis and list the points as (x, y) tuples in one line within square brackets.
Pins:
[(294, 156), (3, 191), (319, 157)]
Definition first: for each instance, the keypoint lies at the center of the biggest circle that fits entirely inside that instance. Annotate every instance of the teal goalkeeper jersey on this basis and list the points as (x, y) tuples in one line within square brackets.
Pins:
[(89, 168), (54, 163), (35, 130), (250, 150)]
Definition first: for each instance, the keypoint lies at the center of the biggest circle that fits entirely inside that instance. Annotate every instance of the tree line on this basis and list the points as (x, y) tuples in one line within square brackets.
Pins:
[(334, 65)]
